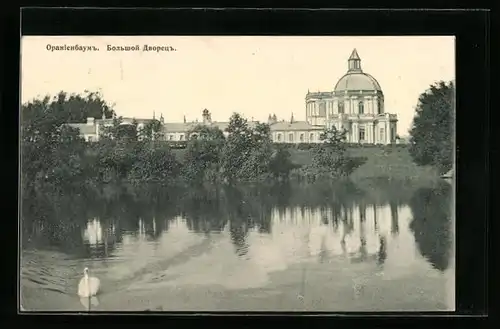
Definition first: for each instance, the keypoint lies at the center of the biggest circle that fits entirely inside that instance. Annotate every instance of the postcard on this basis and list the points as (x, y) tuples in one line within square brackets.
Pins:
[(237, 173)]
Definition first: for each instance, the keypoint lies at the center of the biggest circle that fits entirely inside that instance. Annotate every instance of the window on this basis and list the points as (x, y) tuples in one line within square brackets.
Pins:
[(382, 135), (361, 107), (301, 138), (171, 137), (311, 137), (361, 133), (379, 106), (181, 137), (290, 137), (322, 109), (279, 137), (341, 107)]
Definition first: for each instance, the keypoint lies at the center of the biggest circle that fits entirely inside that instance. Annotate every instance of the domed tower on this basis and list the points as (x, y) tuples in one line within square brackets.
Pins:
[(357, 92), (356, 104), (358, 107)]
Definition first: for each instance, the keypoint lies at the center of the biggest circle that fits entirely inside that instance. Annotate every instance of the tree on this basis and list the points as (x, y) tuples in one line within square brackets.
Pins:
[(48, 148), (431, 134), (120, 130), (152, 131), (247, 152), (280, 164), (334, 139), (329, 156), (203, 153), (260, 153), (126, 132), (237, 147), (154, 163)]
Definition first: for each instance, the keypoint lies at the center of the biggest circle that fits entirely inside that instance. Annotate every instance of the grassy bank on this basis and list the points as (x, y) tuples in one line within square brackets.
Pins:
[(383, 163)]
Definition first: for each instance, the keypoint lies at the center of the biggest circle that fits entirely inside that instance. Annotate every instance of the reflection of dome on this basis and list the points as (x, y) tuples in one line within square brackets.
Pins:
[(357, 81)]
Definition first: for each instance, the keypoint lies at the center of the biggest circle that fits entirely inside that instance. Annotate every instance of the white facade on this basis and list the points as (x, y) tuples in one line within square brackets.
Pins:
[(357, 105)]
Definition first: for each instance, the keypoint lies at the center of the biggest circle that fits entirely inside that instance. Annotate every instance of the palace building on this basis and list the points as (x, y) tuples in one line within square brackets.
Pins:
[(356, 104)]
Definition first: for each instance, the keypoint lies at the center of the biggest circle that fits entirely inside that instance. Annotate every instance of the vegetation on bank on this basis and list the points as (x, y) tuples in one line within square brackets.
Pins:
[(431, 136), (54, 155)]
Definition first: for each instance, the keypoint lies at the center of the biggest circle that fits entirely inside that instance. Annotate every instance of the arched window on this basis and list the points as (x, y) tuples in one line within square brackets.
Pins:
[(361, 107), (301, 138), (311, 137), (290, 137), (341, 107)]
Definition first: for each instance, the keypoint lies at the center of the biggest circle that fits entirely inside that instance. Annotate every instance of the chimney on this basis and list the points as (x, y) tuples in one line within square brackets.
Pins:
[(90, 121)]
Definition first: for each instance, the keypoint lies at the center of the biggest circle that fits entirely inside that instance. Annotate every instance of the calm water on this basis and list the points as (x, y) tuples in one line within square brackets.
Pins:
[(284, 248)]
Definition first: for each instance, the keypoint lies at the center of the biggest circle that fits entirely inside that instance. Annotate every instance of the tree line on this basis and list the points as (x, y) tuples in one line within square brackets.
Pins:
[(54, 154)]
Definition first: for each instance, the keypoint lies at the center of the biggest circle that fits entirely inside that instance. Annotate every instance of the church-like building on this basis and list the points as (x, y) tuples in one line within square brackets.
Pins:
[(356, 104)]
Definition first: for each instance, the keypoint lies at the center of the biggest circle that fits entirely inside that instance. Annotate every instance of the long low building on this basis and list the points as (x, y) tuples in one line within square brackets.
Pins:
[(281, 131)]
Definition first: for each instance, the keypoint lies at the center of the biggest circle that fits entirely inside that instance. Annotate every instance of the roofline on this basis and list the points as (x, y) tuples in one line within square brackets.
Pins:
[(352, 73)]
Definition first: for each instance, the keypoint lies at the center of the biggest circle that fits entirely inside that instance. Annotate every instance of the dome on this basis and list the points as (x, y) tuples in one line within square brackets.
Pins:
[(357, 81)]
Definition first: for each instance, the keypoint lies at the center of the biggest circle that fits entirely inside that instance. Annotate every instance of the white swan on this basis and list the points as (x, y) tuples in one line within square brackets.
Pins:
[(88, 286)]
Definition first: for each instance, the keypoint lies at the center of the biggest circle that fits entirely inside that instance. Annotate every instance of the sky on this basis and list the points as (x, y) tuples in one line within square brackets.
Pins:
[(252, 75)]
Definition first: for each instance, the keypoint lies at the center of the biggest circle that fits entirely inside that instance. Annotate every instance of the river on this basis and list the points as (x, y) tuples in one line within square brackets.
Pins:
[(320, 247)]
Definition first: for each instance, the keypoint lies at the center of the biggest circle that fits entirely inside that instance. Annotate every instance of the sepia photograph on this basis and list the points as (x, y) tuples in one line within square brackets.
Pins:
[(237, 173)]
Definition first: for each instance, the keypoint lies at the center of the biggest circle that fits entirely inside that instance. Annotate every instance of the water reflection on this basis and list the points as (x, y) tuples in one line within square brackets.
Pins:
[(238, 237), (431, 224)]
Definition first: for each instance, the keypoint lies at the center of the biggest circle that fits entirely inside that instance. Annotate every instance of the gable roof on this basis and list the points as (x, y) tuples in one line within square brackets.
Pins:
[(294, 126), (178, 127)]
